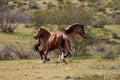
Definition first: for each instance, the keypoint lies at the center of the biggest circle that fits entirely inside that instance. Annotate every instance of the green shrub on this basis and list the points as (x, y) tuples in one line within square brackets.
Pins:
[(50, 5), (115, 35), (110, 55), (33, 4), (99, 22), (44, 2), (114, 5), (62, 16), (10, 52), (3, 2), (77, 78), (101, 9), (82, 45)]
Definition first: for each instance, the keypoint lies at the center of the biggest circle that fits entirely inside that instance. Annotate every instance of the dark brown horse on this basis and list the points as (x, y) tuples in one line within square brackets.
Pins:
[(54, 40), (74, 29)]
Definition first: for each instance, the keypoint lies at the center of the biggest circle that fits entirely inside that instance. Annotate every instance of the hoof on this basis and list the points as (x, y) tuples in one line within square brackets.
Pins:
[(65, 62), (48, 59), (57, 62)]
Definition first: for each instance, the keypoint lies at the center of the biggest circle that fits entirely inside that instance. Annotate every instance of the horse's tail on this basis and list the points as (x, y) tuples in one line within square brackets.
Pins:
[(68, 45), (37, 45)]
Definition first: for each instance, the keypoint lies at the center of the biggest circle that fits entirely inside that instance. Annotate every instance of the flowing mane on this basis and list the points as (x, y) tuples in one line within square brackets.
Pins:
[(71, 28), (47, 31)]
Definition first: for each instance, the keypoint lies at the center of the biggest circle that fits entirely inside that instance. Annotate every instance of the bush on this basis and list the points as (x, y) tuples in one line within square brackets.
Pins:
[(82, 45), (115, 35), (33, 4), (19, 3), (99, 22), (65, 15), (3, 2), (110, 55), (50, 5), (10, 52), (10, 19), (101, 9), (114, 5)]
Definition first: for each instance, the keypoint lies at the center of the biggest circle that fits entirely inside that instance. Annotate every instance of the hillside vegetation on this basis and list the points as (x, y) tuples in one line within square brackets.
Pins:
[(61, 12), (20, 19), (100, 40), (97, 57)]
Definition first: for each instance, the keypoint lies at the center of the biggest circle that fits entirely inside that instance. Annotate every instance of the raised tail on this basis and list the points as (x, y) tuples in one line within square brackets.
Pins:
[(68, 45), (37, 45)]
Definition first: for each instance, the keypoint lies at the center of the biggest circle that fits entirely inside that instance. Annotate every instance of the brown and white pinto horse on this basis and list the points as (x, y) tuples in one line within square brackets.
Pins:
[(56, 40), (70, 31)]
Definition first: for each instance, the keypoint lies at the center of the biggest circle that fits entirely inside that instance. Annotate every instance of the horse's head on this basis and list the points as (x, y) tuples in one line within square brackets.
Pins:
[(80, 31), (39, 33), (75, 29)]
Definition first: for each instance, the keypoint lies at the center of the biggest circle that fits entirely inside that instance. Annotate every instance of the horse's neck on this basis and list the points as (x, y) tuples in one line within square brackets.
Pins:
[(46, 36), (71, 35)]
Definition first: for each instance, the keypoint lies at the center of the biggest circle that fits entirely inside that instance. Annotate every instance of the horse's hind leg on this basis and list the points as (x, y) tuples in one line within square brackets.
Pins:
[(63, 59), (41, 52), (67, 54), (59, 58)]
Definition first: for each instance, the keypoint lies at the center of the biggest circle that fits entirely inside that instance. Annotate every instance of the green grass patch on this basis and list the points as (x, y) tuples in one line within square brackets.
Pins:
[(19, 36)]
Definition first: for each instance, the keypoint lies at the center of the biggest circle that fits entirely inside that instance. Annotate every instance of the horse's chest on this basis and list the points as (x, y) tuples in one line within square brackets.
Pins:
[(43, 43)]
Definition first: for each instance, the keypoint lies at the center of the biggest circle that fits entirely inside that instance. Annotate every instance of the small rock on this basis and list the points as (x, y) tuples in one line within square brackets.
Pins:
[(68, 78)]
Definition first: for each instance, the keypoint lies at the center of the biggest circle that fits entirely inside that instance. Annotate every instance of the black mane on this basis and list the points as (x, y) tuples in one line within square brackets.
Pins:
[(72, 27)]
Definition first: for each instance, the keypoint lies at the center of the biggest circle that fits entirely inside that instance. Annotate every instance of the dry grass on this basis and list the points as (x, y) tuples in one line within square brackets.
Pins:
[(32, 70), (113, 28), (20, 36)]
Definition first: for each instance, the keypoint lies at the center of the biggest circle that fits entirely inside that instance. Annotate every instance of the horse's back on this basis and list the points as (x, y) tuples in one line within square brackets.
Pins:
[(56, 40)]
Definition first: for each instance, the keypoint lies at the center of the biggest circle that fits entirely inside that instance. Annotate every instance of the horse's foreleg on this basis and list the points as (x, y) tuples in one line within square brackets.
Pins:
[(45, 56), (41, 54)]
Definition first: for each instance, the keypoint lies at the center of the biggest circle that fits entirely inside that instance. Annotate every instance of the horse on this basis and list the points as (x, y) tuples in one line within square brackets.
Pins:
[(74, 29), (56, 40), (70, 31)]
